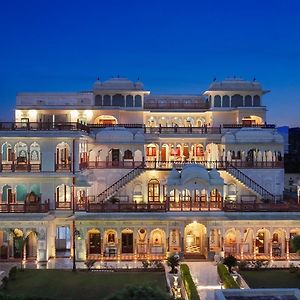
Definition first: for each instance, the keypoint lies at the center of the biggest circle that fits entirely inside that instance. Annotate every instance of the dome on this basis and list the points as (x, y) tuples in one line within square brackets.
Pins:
[(235, 84), (114, 135), (97, 85), (254, 135), (173, 178), (193, 171), (228, 138), (118, 83)]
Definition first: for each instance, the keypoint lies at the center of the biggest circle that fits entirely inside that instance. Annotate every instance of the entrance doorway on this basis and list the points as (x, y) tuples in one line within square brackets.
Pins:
[(63, 241), (94, 243), (115, 156), (195, 240), (127, 242)]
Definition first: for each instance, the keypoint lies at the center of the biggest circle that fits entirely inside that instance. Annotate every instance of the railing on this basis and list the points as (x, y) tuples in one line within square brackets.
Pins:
[(265, 194), (261, 207), (175, 105), (63, 167), (109, 164), (137, 125), (15, 167), (111, 190), (249, 125), (182, 130), (24, 207), (25, 126), (63, 205), (220, 165)]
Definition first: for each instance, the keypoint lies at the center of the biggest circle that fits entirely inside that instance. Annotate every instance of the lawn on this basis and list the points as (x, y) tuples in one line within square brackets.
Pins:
[(271, 279), (66, 285)]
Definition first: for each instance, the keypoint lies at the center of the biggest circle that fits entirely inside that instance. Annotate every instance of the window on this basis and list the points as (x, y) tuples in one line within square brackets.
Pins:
[(98, 100), (118, 100), (226, 101), (256, 100), (217, 101), (248, 100), (129, 101), (128, 154), (138, 101), (236, 100), (153, 190), (106, 100)]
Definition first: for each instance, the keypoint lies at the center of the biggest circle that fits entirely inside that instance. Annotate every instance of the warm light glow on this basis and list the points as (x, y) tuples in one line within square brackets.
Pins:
[(32, 114), (88, 114), (18, 114), (74, 114)]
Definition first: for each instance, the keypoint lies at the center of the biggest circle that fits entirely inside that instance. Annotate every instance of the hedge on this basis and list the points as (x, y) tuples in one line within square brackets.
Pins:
[(228, 281), (188, 282)]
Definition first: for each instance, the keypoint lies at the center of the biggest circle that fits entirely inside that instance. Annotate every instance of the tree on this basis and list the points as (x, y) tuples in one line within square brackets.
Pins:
[(173, 262), (137, 292), (230, 261), (296, 243)]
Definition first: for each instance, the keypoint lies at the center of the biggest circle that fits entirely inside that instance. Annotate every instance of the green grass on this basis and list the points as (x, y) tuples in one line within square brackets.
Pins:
[(59, 284), (271, 279)]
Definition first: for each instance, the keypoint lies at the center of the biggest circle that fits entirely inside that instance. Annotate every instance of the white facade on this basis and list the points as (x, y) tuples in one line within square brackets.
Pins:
[(143, 175)]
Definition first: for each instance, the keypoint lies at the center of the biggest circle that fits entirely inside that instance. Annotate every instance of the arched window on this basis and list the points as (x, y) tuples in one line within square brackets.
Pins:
[(248, 100), (185, 195), (35, 152), (225, 101), (217, 101), (129, 101), (98, 100), (63, 153), (21, 151), (138, 101), (256, 100), (128, 154), (118, 100), (153, 190), (63, 193), (236, 100), (6, 152), (106, 100)]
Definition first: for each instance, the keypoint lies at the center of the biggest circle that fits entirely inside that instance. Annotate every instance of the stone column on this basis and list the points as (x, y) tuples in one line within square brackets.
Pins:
[(271, 248), (287, 249)]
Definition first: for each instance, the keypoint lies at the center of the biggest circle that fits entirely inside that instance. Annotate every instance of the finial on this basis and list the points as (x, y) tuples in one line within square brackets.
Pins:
[(254, 79), (98, 78), (214, 79), (138, 79), (118, 76)]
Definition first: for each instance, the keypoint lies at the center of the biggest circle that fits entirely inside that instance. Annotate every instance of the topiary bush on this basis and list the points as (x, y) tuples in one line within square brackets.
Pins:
[(188, 282), (12, 273), (228, 281)]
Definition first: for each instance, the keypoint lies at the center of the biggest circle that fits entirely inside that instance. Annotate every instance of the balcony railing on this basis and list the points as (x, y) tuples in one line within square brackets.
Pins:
[(220, 165), (63, 205), (26, 126), (270, 126), (175, 105), (21, 167), (67, 167), (24, 207), (182, 130)]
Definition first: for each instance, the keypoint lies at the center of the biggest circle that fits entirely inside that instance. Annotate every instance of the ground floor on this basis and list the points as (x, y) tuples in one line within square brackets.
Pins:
[(139, 237)]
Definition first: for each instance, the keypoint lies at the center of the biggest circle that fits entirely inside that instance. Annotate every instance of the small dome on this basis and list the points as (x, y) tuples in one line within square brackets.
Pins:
[(174, 177), (193, 171), (228, 138), (214, 174), (114, 135), (254, 135), (118, 83)]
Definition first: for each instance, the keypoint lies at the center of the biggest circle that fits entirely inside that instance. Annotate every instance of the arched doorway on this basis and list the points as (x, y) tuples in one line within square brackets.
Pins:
[(3, 245), (195, 240), (127, 241), (31, 245), (157, 242), (106, 120), (94, 240), (18, 244)]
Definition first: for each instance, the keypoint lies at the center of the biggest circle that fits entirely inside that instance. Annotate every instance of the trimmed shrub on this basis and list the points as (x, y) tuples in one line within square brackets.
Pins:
[(189, 283), (228, 281), (12, 273)]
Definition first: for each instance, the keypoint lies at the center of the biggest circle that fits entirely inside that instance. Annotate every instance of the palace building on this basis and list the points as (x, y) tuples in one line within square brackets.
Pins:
[(124, 174)]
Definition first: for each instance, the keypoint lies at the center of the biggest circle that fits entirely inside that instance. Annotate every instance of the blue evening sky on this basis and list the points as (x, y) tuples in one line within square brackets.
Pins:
[(173, 46)]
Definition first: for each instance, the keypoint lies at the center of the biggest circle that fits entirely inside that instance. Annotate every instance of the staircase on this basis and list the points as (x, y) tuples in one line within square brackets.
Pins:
[(250, 183), (112, 190)]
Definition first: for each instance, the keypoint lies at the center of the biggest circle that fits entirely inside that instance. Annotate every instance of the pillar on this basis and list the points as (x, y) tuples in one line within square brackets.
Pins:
[(271, 248), (287, 248)]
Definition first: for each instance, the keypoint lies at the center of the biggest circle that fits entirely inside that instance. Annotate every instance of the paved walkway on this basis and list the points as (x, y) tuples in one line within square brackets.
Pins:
[(206, 278)]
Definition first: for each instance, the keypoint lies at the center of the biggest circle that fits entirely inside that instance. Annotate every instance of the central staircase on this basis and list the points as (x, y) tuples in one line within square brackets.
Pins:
[(250, 183), (112, 190)]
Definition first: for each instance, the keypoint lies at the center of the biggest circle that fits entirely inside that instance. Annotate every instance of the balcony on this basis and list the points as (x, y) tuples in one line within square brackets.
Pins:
[(63, 167), (176, 105), (20, 167), (44, 126), (24, 207), (182, 130), (220, 165), (267, 126)]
